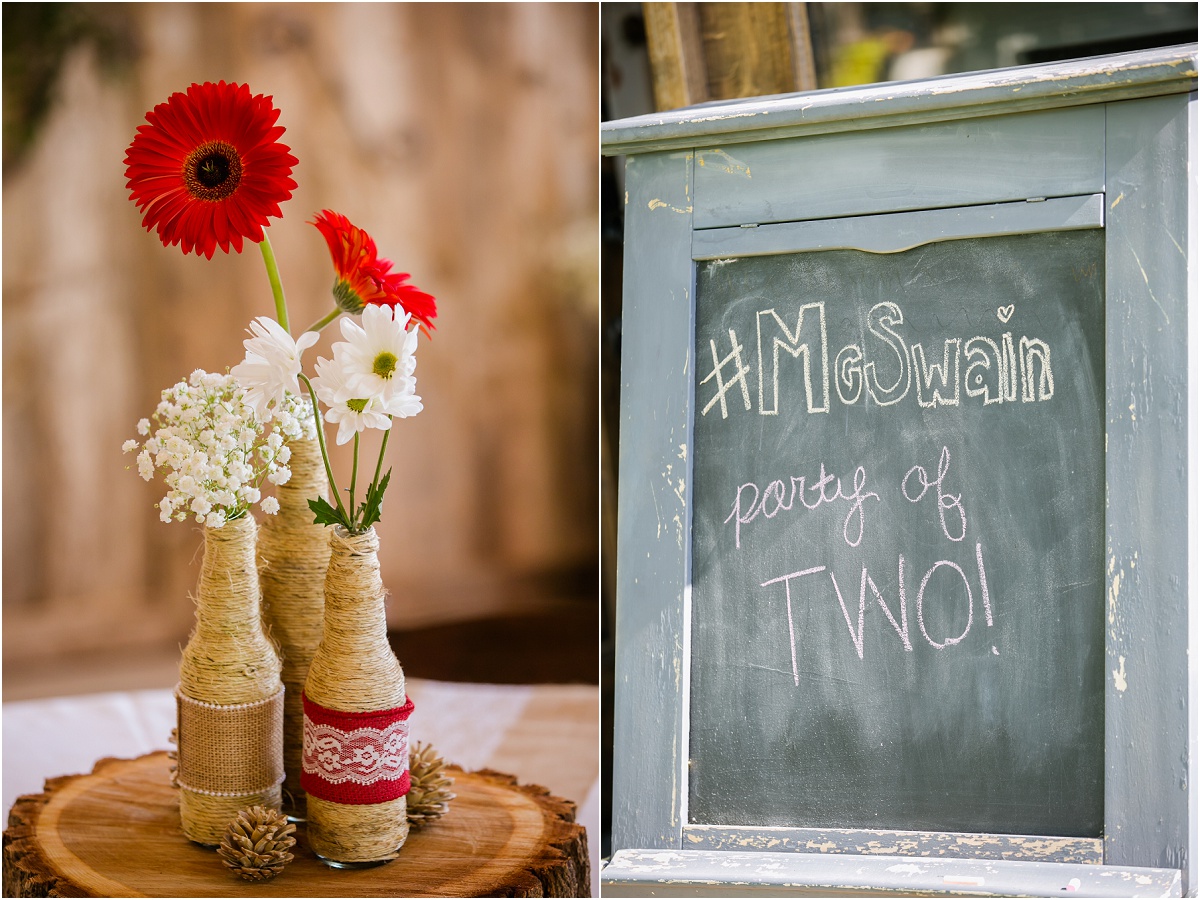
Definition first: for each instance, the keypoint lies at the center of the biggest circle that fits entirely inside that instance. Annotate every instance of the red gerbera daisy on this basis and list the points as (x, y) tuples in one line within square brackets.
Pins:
[(362, 277), (208, 170)]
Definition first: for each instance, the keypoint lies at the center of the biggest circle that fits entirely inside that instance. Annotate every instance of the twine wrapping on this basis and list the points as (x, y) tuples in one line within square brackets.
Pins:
[(228, 661), (356, 758), (355, 671), (230, 751), (293, 554)]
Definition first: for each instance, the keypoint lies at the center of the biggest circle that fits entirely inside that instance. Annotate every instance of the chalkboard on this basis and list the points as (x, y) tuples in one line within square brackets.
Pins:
[(898, 588)]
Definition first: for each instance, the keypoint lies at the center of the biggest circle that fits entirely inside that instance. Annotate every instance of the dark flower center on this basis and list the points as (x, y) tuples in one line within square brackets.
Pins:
[(212, 171)]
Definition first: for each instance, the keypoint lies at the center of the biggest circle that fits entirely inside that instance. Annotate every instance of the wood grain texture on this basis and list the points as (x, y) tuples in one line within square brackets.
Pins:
[(116, 833), (676, 54), (724, 51), (747, 49)]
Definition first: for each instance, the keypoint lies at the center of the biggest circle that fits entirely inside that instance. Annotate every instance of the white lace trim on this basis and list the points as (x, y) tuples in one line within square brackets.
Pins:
[(227, 706), (253, 798), (363, 756)]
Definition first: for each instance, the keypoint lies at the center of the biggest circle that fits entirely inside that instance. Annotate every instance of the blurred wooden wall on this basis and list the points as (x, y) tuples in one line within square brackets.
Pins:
[(464, 138)]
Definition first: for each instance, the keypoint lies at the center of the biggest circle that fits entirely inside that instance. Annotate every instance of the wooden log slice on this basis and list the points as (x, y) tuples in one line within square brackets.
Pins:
[(116, 833)]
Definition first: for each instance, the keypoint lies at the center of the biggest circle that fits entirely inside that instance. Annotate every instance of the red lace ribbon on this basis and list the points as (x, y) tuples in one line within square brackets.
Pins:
[(355, 757)]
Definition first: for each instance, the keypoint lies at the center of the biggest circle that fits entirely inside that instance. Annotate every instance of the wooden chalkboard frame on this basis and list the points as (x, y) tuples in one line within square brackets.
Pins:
[(886, 234), (1121, 126)]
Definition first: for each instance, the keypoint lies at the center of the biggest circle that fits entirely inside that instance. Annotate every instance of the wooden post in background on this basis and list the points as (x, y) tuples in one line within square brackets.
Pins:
[(722, 51), (676, 54)]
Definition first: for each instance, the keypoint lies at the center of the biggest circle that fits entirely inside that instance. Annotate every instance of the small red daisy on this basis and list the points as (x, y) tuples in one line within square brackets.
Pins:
[(208, 169), (362, 277)]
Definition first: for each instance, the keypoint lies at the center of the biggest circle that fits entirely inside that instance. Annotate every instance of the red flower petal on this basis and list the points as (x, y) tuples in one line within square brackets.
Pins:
[(208, 169), (363, 277)]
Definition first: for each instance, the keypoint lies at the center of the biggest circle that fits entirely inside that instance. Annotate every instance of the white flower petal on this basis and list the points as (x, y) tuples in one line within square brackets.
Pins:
[(271, 367)]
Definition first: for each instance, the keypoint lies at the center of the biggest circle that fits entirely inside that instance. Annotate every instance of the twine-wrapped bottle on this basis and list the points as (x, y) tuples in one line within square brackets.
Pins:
[(229, 699), (293, 554), (356, 716)]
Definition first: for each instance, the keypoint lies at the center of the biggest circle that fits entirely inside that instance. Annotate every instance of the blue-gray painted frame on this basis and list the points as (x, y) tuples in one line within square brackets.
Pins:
[(1150, 703), (897, 232), (1151, 443), (692, 873), (649, 783), (903, 167)]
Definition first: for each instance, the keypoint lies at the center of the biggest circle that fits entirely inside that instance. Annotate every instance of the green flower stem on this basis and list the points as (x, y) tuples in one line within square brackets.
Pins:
[(354, 480), (382, 450), (276, 285), (324, 452), (324, 320)]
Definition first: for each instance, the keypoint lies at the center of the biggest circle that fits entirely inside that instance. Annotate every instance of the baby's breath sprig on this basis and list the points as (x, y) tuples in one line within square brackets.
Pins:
[(214, 452)]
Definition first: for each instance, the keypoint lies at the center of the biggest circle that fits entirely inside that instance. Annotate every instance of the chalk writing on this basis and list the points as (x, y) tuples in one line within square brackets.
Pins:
[(855, 624), (1035, 351), (921, 601), (739, 377), (787, 588), (945, 500), (796, 349), (883, 369), (780, 496), (752, 501), (981, 352)]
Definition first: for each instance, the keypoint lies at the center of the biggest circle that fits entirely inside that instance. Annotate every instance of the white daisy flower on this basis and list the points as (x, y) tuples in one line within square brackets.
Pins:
[(378, 356), (271, 366), (351, 414)]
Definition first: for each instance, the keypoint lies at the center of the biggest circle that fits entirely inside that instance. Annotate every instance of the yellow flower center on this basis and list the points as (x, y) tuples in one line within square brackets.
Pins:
[(385, 364), (212, 171), (357, 405)]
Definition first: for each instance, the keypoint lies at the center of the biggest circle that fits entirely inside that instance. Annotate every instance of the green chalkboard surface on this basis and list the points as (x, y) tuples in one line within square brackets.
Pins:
[(897, 540)]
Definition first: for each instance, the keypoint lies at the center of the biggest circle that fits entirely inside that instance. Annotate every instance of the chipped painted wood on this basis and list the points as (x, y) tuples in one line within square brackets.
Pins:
[(698, 873), (1084, 851), (1055, 85), (1151, 608), (653, 514)]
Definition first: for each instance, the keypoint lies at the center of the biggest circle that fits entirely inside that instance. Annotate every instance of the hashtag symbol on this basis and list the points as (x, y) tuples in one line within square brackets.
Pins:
[(735, 356)]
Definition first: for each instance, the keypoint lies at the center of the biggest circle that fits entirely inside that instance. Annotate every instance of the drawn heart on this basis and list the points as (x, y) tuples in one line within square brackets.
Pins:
[(1004, 313)]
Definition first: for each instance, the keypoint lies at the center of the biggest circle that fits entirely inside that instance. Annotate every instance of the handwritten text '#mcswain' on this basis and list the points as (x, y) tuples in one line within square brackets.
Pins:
[(982, 368)]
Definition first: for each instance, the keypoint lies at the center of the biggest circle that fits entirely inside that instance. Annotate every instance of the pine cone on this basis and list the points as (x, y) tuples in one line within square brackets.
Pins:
[(429, 796), (256, 843)]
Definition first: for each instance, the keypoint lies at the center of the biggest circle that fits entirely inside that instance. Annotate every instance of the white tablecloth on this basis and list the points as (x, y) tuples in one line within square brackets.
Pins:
[(542, 734)]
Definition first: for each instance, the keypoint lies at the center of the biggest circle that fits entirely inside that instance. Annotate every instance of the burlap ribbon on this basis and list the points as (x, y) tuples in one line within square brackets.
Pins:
[(229, 751)]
